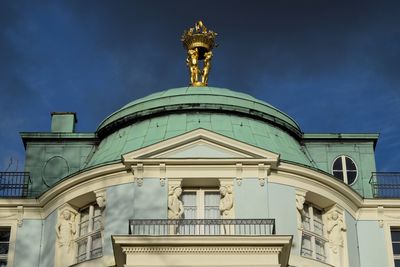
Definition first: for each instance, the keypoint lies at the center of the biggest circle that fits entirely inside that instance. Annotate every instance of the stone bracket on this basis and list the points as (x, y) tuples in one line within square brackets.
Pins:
[(163, 174)]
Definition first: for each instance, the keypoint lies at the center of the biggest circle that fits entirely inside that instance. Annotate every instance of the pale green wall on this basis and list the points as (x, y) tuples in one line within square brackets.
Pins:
[(250, 200), (47, 248), (75, 155), (323, 154), (371, 239), (119, 210), (352, 241), (130, 201), (26, 254), (282, 208), (150, 200)]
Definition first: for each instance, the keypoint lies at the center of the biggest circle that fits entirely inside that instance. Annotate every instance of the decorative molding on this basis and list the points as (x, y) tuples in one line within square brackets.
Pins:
[(20, 216), (263, 172), (101, 197), (380, 215), (203, 249), (138, 173), (239, 173), (163, 174), (241, 148)]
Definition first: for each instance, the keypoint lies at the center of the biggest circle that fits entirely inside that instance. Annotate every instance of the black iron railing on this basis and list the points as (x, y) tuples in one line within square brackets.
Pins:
[(157, 227), (14, 184), (385, 184)]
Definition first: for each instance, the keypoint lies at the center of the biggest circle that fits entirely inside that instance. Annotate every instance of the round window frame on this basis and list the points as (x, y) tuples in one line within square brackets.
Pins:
[(355, 164)]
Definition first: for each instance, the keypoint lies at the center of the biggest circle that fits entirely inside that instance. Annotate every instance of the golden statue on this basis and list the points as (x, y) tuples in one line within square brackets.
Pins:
[(207, 67), (199, 42), (192, 62)]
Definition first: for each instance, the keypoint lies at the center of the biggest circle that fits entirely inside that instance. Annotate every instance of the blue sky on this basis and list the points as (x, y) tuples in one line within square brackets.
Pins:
[(331, 65)]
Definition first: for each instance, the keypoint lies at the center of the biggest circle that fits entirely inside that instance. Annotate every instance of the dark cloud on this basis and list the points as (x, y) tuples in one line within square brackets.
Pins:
[(332, 65)]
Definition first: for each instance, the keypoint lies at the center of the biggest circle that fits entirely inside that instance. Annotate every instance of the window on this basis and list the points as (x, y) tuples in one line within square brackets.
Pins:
[(90, 242), (313, 240), (200, 204), (345, 169), (4, 245), (395, 234)]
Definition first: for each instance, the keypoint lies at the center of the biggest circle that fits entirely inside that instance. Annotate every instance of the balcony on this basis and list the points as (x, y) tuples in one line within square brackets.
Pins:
[(14, 184), (244, 227), (385, 184), (205, 242)]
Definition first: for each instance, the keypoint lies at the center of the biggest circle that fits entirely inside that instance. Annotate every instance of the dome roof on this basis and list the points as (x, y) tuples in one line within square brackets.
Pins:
[(170, 113), (199, 98)]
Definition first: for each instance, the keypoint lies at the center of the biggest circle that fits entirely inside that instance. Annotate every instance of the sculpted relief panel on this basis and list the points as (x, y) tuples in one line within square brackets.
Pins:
[(66, 234)]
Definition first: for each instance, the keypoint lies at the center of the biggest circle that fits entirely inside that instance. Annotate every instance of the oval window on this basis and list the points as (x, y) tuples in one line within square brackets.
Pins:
[(345, 169)]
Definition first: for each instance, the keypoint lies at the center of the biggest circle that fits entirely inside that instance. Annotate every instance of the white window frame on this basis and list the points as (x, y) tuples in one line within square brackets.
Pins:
[(12, 225), (392, 256), (5, 256), (200, 199), (90, 233), (344, 168), (314, 237)]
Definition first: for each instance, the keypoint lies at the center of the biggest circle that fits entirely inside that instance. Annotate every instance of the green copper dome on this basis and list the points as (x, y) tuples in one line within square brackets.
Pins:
[(199, 98), (173, 112)]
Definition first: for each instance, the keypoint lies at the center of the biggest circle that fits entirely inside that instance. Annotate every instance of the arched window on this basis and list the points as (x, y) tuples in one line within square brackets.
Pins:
[(345, 169)]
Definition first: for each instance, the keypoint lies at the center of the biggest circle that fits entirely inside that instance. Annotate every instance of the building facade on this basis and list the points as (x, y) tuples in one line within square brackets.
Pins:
[(197, 176)]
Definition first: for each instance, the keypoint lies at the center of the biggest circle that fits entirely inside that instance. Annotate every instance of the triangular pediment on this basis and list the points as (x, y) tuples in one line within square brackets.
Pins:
[(200, 144), (201, 149)]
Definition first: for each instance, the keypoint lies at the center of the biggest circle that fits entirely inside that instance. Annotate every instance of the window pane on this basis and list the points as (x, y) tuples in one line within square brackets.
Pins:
[(318, 225), (350, 165), (396, 248), (211, 209), (84, 215), (84, 225), (96, 246), (4, 235), (82, 250), (97, 224), (337, 165), (396, 263), (83, 228), (338, 175), (3, 248), (395, 234), (320, 249), (189, 205), (351, 176), (3, 263), (306, 246)]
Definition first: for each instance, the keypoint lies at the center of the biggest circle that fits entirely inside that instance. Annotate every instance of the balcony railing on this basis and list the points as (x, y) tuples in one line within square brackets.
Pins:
[(157, 227), (14, 184), (385, 184)]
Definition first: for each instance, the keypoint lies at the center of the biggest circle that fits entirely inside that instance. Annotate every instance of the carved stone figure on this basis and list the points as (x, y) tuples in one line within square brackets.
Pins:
[(226, 208), (226, 202), (101, 200), (300, 199), (175, 206), (66, 229), (207, 67), (65, 232), (335, 229)]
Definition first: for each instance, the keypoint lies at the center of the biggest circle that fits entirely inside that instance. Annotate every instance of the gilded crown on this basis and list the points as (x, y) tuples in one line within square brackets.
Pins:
[(199, 37)]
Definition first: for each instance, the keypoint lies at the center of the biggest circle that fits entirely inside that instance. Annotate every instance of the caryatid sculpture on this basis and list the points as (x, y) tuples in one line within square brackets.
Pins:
[(66, 230), (199, 42), (175, 206)]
